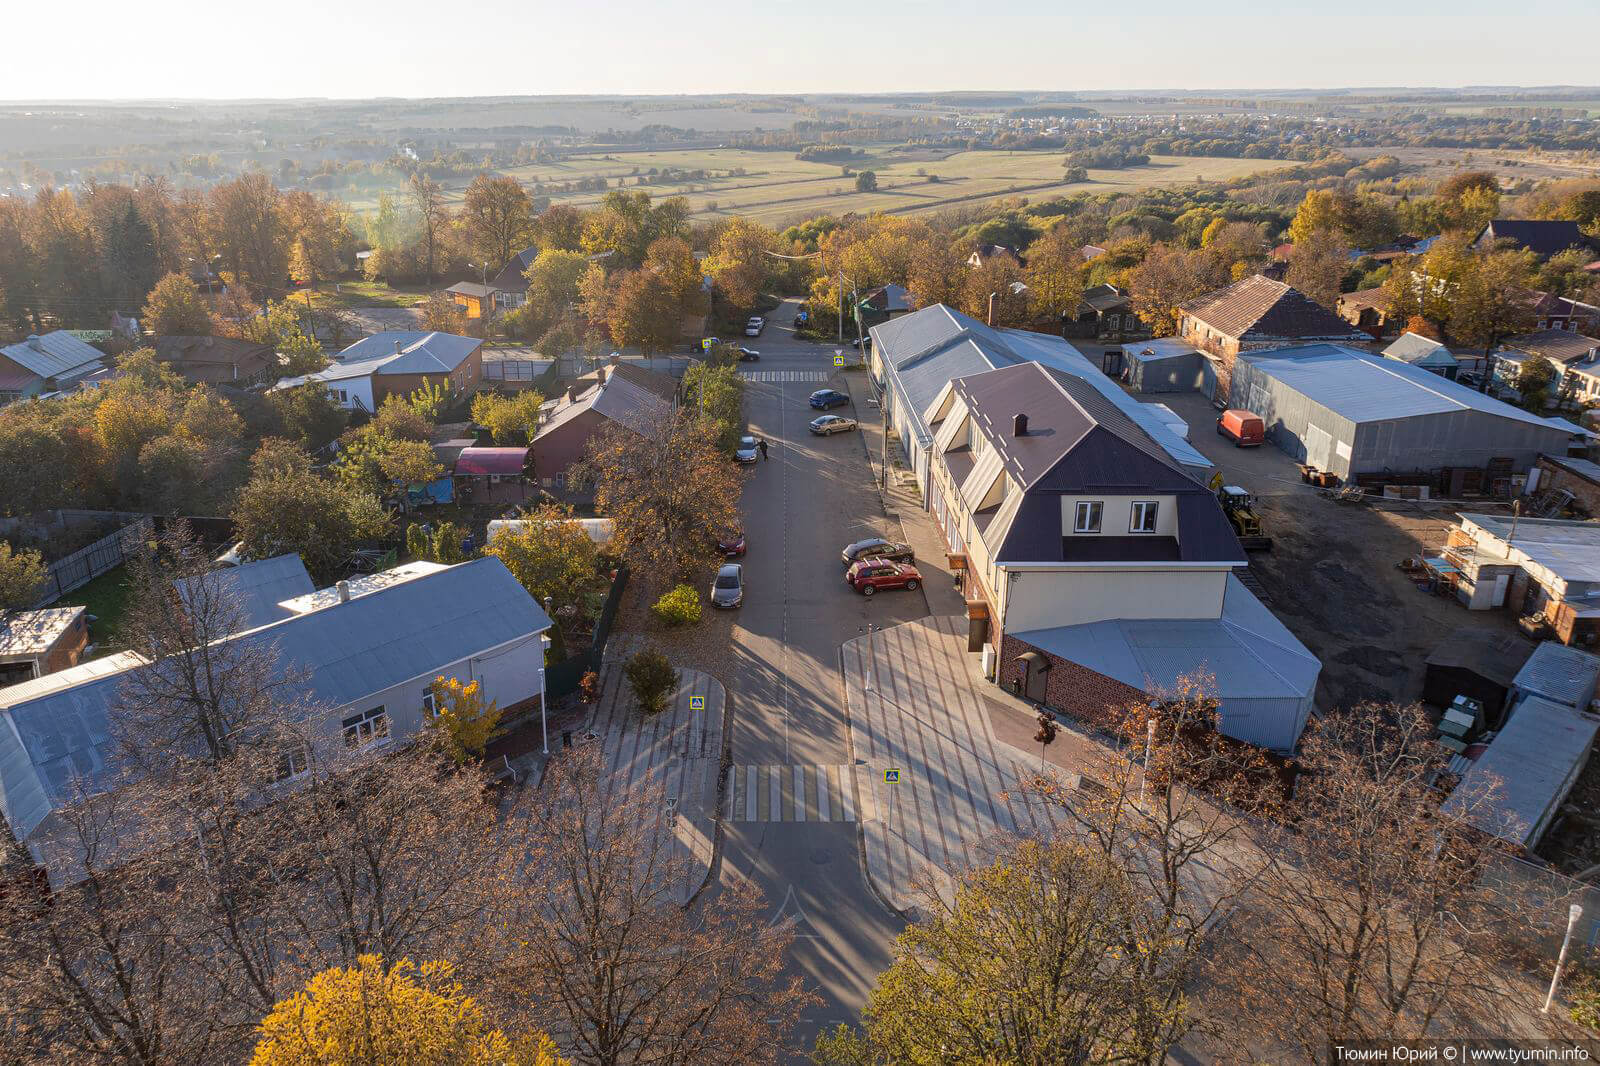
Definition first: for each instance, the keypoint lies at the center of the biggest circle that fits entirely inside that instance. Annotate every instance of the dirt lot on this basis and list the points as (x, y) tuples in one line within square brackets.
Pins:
[(1331, 578)]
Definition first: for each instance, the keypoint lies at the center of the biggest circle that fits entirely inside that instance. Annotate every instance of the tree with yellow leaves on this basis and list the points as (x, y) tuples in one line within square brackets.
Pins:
[(407, 1014), (463, 719)]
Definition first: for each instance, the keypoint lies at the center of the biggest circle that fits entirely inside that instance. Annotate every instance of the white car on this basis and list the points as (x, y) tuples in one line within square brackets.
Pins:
[(829, 424), (754, 327), (748, 451)]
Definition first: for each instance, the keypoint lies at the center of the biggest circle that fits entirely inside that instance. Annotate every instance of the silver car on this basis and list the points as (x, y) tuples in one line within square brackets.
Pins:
[(727, 590), (828, 424), (748, 451)]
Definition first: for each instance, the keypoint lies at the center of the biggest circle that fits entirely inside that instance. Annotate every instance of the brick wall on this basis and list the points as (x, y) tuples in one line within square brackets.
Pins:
[(1552, 478), (1070, 688)]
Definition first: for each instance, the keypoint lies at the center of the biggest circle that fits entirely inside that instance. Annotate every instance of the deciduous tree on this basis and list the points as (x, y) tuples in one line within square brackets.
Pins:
[(497, 217), (552, 556), (22, 577), (176, 309), (738, 262), (463, 718), (294, 510)]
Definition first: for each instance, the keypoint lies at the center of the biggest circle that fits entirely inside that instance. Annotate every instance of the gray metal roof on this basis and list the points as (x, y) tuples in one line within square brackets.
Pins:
[(1568, 548), (1517, 784), (1247, 651), (412, 351), (1369, 388), (1559, 674), (57, 354), (58, 729), (1418, 350), (259, 587), (1160, 349)]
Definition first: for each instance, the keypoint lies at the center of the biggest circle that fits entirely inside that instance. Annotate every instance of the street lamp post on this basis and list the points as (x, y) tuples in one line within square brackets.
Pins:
[(1574, 912), (544, 725), (1149, 742)]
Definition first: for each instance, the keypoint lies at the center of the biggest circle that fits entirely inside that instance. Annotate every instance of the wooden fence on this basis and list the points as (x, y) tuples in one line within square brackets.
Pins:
[(89, 562)]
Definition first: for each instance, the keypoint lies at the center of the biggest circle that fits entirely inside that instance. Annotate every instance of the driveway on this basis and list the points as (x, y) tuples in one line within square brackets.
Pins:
[(1263, 470)]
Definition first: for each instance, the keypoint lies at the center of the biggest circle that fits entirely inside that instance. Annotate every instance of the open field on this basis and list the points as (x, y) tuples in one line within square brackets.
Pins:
[(778, 189), (1434, 164)]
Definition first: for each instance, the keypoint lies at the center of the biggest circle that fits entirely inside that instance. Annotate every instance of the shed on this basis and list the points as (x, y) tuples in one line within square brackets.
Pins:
[(1166, 364), (1425, 352), (1478, 663), (1516, 787), (491, 462), (1559, 674), (1350, 412)]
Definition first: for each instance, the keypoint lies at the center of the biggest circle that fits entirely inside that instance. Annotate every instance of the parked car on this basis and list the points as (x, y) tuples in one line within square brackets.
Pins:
[(727, 589), (877, 548), (748, 355), (823, 399), (747, 451), (1246, 430), (754, 327), (731, 545), (867, 576), (828, 425)]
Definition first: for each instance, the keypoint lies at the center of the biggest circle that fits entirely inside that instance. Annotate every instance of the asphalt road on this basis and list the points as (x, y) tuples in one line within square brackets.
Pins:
[(810, 498)]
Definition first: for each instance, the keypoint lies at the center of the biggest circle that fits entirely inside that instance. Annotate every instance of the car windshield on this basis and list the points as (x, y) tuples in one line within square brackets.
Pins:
[(747, 442), (727, 581)]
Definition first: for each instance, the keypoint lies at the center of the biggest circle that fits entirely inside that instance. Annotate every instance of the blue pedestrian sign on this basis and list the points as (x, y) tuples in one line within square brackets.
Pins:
[(697, 703), (891, 777), (838, 359)]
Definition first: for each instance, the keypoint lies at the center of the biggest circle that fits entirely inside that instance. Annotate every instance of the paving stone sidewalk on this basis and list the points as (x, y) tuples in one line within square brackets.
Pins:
[(915, 707)]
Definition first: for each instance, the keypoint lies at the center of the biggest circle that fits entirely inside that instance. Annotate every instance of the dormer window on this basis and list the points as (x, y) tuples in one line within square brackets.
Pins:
[(1143, 518), (1087, 519)]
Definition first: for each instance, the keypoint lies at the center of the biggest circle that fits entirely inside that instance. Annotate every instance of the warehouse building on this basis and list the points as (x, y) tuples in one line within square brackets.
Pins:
[(1349, 412)]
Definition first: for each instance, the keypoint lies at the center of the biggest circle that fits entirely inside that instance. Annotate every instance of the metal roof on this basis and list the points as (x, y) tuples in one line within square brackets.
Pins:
[(1567, 548), (57, 354), (57, 730), (1247, 651), (1418, 350), (485, 461), (412, 351), (364, 585), (1369, 388), (1159, 349), (1559, 674), (31, 633), (1517, 784), (259, 587)]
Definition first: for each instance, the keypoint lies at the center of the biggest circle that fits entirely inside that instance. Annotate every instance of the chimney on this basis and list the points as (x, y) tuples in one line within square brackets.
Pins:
[(1019, 425), (600, 375), (344, 591), (615, 359), (399, 346), (35, 343), (572, 393)]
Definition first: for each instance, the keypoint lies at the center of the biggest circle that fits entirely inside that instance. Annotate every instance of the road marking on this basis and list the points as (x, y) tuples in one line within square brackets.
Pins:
[(779, 376), (797, 793), (847, 790), (793, 917)]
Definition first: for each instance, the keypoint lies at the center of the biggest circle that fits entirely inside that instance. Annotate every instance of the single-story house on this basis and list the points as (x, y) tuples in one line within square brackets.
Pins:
[(1514, 789), (915, 356), (616, 394), (1366, 309), (1566, 480), (511, 284), (1256, 313), (363, 663), (1104, 311), (35, 643), (43, 364), (397, 363), (1548, 567), (256, 589), (886, 302), (1424, 352), (218, 360), (1543, 237), (1562, 312), (984, 252), (1352, 412)]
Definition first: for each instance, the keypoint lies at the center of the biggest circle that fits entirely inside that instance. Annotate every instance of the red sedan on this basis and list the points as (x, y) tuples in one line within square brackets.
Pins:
[(869, 575)]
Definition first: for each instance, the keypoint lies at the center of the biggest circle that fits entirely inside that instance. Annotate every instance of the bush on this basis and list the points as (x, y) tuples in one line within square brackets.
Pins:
[(1584, 991), (680, 607), (652, 679), (589, 687), (417, 545)]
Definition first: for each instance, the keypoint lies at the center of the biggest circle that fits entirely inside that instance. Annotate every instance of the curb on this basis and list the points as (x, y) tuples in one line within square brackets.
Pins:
[(861, 825), (724, 761)]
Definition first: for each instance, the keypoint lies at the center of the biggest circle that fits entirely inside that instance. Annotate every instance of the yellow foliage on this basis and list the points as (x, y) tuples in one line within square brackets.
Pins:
[(403, 1016), (462, 717)]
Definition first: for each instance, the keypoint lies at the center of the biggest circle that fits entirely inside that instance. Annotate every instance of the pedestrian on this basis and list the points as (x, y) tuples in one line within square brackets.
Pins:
[(762, 444)]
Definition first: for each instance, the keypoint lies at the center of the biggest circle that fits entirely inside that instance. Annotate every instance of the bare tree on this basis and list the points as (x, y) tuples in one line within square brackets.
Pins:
[(428, 199), (603, 956), (1170, 807), (1373, 918)]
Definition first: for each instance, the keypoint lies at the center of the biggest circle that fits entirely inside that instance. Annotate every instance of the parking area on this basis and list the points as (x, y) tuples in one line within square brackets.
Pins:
[(1265, 470)]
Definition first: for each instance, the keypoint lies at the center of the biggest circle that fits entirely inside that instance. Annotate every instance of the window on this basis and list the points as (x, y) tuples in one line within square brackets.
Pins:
[(1088, 517), (293, 763), (1144, 517), (430, 704), (371, 727)]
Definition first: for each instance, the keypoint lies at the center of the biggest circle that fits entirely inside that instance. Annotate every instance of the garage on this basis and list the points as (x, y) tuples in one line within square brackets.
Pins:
[(1163, 365), (1351, 412)]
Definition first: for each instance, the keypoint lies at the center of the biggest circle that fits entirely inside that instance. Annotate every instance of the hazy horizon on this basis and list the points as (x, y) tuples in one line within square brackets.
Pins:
[(411, 49)]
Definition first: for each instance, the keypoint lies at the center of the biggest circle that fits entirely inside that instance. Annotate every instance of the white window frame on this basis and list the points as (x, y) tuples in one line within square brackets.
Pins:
[(296, 760), (430, 704), (370, 728), (1094, 508), (1144, 513)]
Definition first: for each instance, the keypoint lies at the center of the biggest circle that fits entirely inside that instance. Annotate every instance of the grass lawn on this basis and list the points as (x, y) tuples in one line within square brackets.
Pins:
[(371, 294), (107, 598)]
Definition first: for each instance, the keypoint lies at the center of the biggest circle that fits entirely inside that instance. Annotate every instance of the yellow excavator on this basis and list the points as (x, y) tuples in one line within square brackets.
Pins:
[(1240, 507)]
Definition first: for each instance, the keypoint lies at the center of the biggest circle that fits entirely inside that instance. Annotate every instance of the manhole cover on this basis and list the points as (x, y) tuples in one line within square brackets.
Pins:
[(821, 856)]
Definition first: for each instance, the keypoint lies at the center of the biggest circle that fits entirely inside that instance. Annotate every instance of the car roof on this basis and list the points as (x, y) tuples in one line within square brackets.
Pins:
[(729, 568)]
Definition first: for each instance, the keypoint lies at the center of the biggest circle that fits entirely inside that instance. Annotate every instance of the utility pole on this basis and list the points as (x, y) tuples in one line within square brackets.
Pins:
[(1574, 912)]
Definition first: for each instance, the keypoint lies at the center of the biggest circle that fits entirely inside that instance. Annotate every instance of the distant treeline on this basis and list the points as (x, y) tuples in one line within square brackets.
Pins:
[(1053, 111)]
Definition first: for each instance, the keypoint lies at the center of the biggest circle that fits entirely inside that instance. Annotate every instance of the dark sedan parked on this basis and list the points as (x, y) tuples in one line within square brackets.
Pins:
[(877, 548), (823, 399)]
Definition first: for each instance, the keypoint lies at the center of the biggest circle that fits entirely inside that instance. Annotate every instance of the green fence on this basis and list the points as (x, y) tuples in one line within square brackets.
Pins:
[(562, 679)]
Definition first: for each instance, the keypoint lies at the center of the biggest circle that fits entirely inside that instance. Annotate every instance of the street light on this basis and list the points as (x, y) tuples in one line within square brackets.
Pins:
[(868, 629), (1574, 912), (1149, 742)]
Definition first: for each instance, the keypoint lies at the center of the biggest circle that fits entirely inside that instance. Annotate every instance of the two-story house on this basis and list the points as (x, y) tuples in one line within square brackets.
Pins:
[(1096, 569)]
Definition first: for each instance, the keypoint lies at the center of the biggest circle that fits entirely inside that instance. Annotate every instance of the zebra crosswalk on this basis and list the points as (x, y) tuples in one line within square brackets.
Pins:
[(779, 376), (795, 793)]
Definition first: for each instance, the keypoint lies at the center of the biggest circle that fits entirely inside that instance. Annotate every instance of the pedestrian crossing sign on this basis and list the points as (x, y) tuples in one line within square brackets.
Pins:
[(891, 777), (838, 359), (697, 703)]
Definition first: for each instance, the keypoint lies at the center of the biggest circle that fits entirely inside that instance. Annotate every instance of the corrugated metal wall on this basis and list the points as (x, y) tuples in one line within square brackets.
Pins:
[(1289, 416), (1178, 374), (1272, 723)]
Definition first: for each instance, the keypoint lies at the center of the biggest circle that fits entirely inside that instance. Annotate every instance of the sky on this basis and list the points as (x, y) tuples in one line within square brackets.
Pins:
[(157, 49)]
